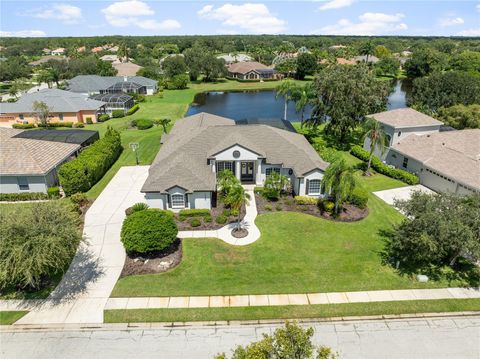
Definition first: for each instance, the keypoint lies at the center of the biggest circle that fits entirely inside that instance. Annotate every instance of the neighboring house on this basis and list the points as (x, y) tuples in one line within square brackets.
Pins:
[(47, 51), (335, 47), (94, 84), (363, 58), (250, 70), (58, 52), (126, 68), (30, 165), (45, 59), (339, 60), (82, 49), (231, 58), (184, 173), (113, 49), (444, 161), (97, 49), (65, 106), (110, 58)]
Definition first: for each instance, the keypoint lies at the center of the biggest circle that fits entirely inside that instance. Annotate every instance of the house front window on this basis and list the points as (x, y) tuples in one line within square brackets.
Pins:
[(60, 116), (405, 162), (224, 165), (23, 184), (178, 200), (21, 116), (314, 186), (269, 170)]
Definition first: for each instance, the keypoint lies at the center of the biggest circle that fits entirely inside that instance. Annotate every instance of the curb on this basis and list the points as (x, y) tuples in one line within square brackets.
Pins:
[(178, 325)]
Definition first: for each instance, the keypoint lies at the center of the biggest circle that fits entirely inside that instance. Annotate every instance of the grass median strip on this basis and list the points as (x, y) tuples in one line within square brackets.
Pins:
[(10, 317), (291, 311)]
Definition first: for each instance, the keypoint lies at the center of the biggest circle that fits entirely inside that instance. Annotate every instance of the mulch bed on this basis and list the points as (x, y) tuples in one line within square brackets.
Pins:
[(156, 262), (215, 212), (241, 233), (349, 212)]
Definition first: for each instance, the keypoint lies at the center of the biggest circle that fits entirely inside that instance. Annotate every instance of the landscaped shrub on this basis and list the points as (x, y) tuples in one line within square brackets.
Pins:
[(326, 205), (359, 198), (221, 219), (56, 124), (258, 190), (89, 120), (148, 231), (268, 207), (78, 125), (274, 185), (118, 113), (143, 123), (384, 169), (227, 212), (137, 207), (23, 126), (140, 98), (189, 213), (25, 196), (133, 109), (304, 200), (279, 207), (80, 174), (103, 118), (38, 242), (79, 200), (195, 222), (53, 192)]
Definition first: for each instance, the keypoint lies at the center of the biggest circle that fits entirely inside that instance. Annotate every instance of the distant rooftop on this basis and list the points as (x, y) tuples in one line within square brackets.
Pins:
[(405, 117)]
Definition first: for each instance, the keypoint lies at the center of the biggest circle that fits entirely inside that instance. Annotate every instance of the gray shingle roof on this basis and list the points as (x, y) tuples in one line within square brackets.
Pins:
[(25, 156), (95, 83), (405, 117), (182, 160), (57, 100)]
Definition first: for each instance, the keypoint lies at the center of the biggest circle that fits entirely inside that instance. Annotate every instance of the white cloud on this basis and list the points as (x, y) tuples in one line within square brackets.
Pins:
[(469, 32), (132, 13), (336, 4), (451, 21), (478, 7), (68, 14), (370, 23), (23, 33), (253, 18)]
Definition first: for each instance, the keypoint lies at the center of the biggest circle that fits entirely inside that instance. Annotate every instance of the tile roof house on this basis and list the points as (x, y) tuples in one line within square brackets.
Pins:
[(184, 173), (94, 84), (65, 106), (58, 52), (30, 165), (231, 58), (250, 70), (444, 161)]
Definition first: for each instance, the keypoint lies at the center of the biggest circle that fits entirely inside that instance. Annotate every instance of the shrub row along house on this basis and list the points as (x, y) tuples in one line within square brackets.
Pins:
[(29, 159), (64, 106), (445, 161), (184, 173)]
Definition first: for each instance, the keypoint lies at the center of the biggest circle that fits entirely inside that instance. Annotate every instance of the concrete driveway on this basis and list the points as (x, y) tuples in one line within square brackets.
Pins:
[(84, 290), (401, 193)]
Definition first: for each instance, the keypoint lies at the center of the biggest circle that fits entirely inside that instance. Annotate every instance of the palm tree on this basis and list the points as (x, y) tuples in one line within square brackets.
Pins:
[(235, 199), (164, 122), (285, 90), (375, 132), (303, 96), (339, 180), (368, 49), (225, 181)]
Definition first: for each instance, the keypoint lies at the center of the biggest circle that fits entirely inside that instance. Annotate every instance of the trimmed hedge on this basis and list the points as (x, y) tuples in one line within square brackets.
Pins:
[(303, 200), (221, 219), (56, 124), (80, 174), (24, 196), (133, 109), (189, 213), (358, 197), (149, 230), (143, 124), (103, 118), (53, 192), (23, 126), (384, 169), (118, 114), (89, 120)]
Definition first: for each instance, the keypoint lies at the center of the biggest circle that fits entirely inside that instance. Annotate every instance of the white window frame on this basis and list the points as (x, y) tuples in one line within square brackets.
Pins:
[(177, 205), (269, 170), (312, 191), (23, 182), (222, 164)]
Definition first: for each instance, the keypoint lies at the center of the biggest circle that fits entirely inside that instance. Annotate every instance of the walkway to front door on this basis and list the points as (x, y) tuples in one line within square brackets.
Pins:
[(247, 172)]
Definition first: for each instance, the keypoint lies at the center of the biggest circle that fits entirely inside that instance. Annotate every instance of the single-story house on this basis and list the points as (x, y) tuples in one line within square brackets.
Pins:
[(364, 58), (65, 106), (94, 84), (231, 58), (250, 70), (30, 165), (45, 59), (115, 101), (58, 52), (97, 49), (184, 173), (126, 68), (445, 161), (126, 87)]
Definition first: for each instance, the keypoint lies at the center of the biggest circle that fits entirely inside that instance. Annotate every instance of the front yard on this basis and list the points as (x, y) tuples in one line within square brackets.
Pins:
[(297, 253)]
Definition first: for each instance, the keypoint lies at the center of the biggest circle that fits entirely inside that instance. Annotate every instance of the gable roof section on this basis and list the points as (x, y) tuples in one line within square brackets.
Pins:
[(246, 66), (405, 117), (182, 160), (95, 83), (455, 154), (57, 100), (25, 156)]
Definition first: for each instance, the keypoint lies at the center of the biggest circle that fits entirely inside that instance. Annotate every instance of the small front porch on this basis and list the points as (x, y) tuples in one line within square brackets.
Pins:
[(247, 172)]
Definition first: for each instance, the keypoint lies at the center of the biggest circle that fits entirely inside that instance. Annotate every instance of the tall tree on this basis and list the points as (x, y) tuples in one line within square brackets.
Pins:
[(424, 62), (235, 198), (367, 49), (285, 90), (344, 95), (164, 122), (18, 86), (174, 65), (306, 65), (339, 180), (375, 132), (41, 112), (303, 96)]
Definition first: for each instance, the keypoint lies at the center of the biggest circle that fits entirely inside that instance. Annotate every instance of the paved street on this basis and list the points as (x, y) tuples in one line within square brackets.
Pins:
[(453, 337)]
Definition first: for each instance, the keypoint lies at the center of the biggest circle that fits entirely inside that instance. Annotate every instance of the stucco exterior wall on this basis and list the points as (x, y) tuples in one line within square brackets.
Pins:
[(75, 117), (156, 200), (302, 189), (9, 184)]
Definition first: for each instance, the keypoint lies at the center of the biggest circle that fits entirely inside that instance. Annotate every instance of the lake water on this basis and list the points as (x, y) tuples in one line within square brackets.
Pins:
[(263, 105)]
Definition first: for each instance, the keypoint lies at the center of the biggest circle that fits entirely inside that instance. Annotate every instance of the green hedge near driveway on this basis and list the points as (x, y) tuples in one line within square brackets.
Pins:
[(290, 311)]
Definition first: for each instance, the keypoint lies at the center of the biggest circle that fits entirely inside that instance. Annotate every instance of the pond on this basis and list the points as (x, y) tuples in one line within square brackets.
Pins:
[(263, 105)]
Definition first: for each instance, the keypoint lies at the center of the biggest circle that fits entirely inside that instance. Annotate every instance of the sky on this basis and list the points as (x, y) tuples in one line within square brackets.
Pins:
[(323, 17)]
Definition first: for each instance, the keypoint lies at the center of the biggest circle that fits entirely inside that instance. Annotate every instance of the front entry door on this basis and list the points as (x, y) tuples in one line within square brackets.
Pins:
[(246, 172)]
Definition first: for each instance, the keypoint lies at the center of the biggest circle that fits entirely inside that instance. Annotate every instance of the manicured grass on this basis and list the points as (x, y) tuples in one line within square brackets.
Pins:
[(296, 253), (290, 312), (10, 317)]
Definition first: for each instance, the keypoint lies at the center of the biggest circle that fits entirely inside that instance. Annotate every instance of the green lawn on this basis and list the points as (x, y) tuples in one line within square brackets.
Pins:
[(10, 317), (291, 311), (296, 253), (173, 104)]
